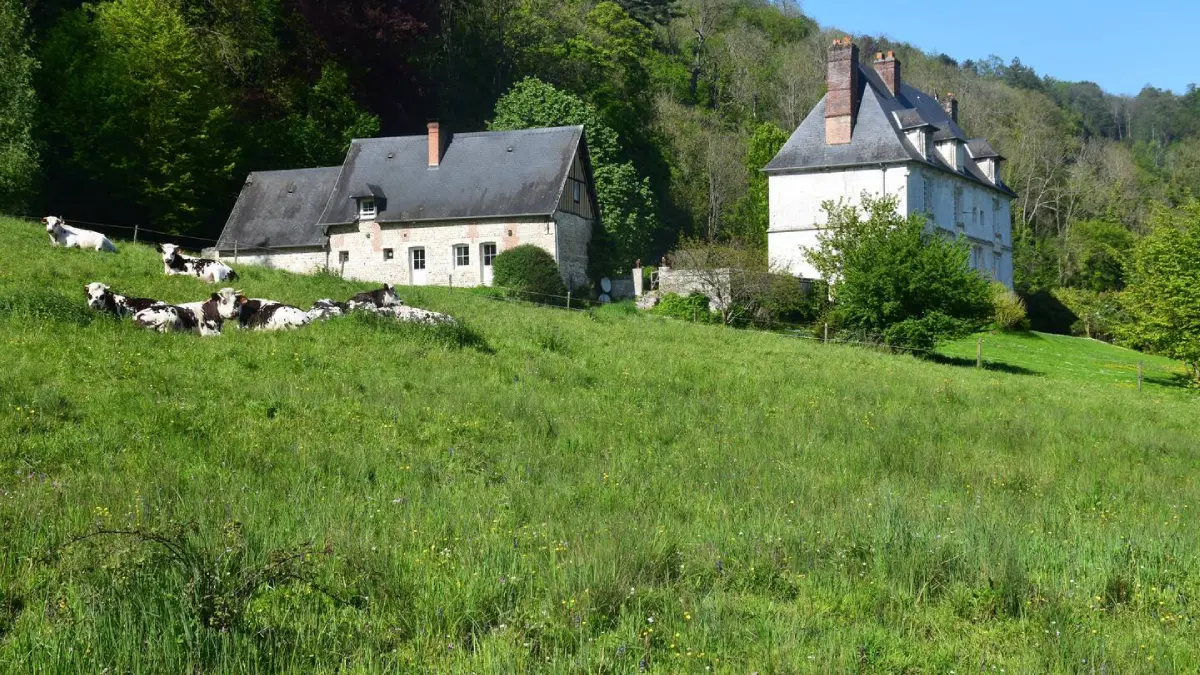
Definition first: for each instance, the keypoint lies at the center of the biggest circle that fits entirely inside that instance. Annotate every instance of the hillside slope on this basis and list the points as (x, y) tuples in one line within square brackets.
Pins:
[(580, 492)]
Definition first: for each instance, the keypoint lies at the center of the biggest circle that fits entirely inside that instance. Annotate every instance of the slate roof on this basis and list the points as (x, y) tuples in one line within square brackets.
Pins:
[(878, 134), (279, 209), (481, 175)]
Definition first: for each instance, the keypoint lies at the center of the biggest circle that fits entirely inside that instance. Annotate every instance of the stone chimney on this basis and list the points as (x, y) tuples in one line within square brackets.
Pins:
[(888, 68), (841, 101), (435, 145), (950, 105)]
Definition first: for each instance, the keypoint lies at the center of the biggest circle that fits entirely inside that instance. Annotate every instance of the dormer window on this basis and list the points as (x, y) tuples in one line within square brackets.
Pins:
[(366, 208)]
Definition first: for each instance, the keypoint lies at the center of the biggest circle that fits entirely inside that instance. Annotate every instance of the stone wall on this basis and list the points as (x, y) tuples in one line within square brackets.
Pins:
[(303, 261)]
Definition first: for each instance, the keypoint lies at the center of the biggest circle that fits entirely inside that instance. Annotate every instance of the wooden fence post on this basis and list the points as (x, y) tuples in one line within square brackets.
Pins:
[(979, 353), (1139, 375), (135, 232), (826, 333), (235, 251), (568, 299)]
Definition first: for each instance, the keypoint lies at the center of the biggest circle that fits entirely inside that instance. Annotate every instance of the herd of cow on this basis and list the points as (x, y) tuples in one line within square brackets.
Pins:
[(207, 317)]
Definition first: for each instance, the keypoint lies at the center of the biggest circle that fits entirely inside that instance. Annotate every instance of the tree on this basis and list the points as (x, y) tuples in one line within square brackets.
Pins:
[(1163, 296), (753, 210), (651, 12), (1097, 252), (625, 199), (894, 279), (18, 159)]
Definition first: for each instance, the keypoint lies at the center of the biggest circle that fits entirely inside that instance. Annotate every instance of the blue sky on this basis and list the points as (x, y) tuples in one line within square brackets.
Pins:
[(1122, 46)]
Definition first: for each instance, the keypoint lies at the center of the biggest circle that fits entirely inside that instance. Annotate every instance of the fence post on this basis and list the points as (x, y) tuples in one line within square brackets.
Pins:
[(135, 232), (979, 353), (235, 251), (826, 333), (1139, 375), (568, 299)]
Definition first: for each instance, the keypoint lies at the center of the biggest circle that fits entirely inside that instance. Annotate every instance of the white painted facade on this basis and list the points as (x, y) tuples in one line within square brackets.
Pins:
[(954, 205)]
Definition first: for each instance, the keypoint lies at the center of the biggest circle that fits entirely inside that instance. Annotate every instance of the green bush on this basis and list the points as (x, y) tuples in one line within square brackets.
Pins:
[(530, 273), (690, 307), (923, 333), (1008, 309), (789, 300)]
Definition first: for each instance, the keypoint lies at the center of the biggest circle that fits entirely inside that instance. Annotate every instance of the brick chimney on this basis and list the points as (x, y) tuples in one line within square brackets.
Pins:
[(950, 105), (888, 68), (841, 101), (435, 145)]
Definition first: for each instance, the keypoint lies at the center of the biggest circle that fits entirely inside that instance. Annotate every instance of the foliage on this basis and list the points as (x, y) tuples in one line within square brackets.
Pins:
[(1098, 251), (625, 200), (754, 213), (893, 278), (18, 157), (692, 307), (529, 272), (1163, 296), (469, 497), (1008, 309)]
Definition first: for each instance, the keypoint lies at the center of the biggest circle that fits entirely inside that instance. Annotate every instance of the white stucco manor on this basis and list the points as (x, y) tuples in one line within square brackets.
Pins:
[(874, 134), (417, 210)]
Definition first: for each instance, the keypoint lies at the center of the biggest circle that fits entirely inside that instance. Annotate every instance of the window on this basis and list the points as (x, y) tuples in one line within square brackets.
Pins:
[(462, 255), (366, 208), (575, 191), (343, 257), (489, 254), (958, 206), (388, 254), (418, 257)]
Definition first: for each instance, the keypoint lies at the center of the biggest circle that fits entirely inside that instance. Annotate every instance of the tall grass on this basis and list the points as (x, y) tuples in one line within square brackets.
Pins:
[(563, 492)]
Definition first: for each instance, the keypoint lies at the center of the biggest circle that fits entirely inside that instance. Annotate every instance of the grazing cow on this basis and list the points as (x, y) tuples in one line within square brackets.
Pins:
[(212, 271), (326, 308), (102, 299), (381, 297), (204, 317), (260, 314), (62, 234)]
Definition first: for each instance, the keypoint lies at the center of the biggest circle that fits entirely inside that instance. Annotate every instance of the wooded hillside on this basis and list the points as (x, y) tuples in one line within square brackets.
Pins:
[(153, 111)]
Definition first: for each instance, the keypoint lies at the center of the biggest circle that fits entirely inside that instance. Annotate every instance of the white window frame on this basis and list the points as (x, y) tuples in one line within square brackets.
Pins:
[(483, 257), (412, 258), (465, 250), (366, 208), (389, 254)]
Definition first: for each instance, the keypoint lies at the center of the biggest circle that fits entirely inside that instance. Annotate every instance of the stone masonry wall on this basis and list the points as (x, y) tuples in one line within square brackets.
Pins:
[(303, 261)]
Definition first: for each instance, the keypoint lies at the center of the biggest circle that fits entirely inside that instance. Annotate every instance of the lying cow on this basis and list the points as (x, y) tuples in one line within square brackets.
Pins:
[(414, 315), (62, 234), (260, 314), (326, 308), (205, 318), (381, 297), (102, 299), (212, 271)]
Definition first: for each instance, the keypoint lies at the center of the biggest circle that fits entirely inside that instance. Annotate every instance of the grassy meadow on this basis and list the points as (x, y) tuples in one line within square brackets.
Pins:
[(554, 491)]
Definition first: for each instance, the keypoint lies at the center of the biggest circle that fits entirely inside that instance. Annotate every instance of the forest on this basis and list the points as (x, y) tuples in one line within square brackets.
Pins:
[(154, 111)]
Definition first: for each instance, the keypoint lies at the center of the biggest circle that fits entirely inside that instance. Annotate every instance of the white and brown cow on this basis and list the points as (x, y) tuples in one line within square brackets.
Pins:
[(380, 297), (65, 235), (102, 299), (258, 313), (205, 269), (205, 318)]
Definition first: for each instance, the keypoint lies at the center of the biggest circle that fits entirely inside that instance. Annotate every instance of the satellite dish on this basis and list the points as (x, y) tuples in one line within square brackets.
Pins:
[(604, 297), (606, 285)]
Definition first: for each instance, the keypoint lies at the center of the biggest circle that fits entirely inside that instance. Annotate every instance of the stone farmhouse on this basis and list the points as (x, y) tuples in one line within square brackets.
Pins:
[(873, 133), (430, 209)]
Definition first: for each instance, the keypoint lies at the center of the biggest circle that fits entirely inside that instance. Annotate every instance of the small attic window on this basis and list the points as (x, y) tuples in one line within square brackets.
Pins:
[(366, 208)]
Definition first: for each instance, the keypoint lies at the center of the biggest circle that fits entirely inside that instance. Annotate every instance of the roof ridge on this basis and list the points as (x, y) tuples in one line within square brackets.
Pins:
[(468, 134)]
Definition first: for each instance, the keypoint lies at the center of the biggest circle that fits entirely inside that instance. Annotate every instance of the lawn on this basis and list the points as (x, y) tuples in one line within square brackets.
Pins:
[(564, 491)]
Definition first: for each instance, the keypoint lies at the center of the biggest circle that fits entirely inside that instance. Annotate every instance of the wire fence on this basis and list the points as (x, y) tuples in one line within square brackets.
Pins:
[(581, 303)]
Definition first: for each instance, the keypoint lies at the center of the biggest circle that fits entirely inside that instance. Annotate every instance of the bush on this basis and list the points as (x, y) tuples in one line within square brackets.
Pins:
[(898, 280), (789, 300), (530, 273), (1008, 309), (690, 307)]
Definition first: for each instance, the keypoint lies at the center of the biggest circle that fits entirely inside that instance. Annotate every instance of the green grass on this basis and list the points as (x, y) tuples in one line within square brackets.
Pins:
[(566, 492), (1072, 361)]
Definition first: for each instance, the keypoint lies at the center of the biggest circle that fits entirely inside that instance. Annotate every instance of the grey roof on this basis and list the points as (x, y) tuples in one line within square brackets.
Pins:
[(878, 133), (279, 209), (980, 149), (481, 175)]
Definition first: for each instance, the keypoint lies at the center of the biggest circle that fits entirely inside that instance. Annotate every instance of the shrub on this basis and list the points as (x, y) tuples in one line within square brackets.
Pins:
[(896, 279), (1008, 309), (530, 273), (690, 307), (789, 300)]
